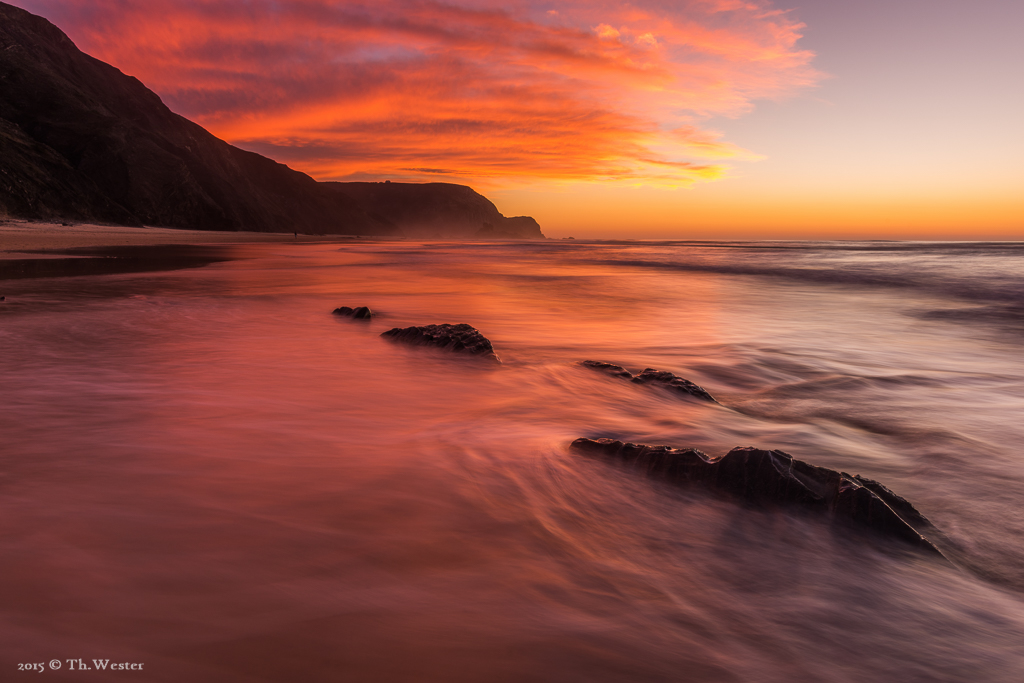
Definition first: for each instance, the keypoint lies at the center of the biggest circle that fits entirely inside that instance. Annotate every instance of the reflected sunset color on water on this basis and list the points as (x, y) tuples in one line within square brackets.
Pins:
[(206, 471)]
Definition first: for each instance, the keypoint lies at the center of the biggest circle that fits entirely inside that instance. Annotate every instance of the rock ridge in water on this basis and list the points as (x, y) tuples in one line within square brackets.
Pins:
[(461, 338), (661, 378), (360, 313), (773, 477)]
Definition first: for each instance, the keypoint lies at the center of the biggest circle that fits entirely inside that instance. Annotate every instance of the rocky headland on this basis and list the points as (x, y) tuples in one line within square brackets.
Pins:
[(81, 141)]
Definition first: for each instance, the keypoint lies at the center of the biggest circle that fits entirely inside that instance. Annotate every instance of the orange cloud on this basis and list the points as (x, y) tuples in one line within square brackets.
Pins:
[(470, 89), (606, 32)]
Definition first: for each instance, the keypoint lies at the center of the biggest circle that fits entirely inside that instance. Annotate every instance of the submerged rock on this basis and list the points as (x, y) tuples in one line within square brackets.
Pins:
[(666, 379), (461, 338), (661, 378), (608, 368), (361, 313), (772, 477)]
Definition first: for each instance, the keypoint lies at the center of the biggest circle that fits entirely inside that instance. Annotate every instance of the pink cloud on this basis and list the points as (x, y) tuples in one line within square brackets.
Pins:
[(561, 90)]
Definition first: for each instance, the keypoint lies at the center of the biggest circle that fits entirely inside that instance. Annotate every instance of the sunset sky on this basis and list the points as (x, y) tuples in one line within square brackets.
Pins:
[(657, 118)]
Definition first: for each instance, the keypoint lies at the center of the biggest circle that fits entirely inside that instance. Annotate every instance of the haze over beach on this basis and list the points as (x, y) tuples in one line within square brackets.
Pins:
[(305, 380)]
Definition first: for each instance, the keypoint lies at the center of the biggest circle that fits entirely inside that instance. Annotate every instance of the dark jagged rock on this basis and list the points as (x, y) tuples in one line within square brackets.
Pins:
[(461, 338), (772, 477), (661, 378), (81, 141), (360, 313)]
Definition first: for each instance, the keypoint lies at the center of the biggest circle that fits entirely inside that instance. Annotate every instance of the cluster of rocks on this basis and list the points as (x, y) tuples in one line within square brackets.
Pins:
[(462, 338), (756, 476)]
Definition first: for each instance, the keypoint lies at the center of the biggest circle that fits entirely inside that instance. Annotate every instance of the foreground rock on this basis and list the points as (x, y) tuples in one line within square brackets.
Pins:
[(773, 477), (360, 313), (461, 338), (661, 378)]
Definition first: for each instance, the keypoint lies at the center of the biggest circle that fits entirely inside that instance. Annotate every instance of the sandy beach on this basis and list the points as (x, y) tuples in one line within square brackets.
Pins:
[(17, 236), (48, 249)]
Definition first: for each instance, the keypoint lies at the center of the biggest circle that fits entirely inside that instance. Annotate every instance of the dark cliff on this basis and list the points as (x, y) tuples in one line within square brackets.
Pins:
[(434, 210), (80, 140)]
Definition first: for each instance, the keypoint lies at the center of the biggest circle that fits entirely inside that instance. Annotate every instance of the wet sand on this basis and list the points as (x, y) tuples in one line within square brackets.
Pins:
[(48, 249), (23, 236)]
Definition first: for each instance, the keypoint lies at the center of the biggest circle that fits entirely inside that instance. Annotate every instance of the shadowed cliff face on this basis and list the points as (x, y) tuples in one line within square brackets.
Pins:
[(81, 140)]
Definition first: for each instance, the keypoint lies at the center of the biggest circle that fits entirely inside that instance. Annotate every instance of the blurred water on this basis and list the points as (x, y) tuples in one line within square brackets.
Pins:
[(205, 471)]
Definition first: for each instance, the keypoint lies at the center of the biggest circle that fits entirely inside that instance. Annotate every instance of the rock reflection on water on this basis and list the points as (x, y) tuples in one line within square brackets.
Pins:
[(206, 471)]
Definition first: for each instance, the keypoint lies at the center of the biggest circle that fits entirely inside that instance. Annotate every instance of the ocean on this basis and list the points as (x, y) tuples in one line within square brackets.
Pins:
[(206, 472)]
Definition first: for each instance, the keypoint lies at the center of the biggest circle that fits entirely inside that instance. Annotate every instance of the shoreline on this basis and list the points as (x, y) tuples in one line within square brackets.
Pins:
[(41, 249), (21, 238)]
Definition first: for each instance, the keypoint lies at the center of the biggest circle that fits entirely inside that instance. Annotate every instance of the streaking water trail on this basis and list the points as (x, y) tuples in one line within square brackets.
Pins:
[(205, 471)]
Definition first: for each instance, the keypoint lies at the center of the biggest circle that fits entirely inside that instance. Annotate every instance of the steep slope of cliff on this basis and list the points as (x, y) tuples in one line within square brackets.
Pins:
[(81, 140)]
